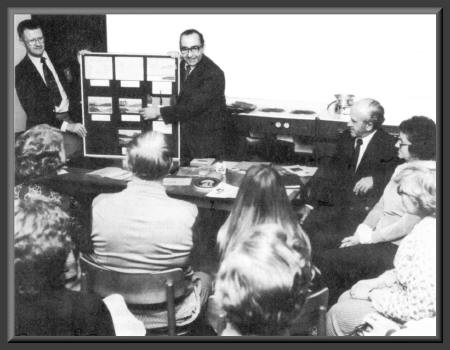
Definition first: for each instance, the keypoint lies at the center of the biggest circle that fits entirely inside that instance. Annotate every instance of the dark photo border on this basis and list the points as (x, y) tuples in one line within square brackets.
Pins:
[(10, 7)]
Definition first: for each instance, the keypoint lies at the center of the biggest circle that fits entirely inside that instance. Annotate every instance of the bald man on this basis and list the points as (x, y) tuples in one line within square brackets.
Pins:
[(342, 193)]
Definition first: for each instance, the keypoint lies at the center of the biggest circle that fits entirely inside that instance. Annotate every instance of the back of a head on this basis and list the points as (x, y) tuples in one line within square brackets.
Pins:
[(421, 133), (261, 198), (149, 156), (41, 245), (38, 152), (419, 182), (262, 283)]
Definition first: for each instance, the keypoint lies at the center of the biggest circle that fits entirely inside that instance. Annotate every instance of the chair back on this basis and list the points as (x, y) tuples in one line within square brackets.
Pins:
[(136, 288), (312, 318)]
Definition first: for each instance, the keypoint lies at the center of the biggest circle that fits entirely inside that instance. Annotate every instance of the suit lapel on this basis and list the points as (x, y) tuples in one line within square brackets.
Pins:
[(33, 74), (371, 148)]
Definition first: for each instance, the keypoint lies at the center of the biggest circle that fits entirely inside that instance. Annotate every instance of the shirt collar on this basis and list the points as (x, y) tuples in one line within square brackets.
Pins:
[(366, 139), (37, 60)]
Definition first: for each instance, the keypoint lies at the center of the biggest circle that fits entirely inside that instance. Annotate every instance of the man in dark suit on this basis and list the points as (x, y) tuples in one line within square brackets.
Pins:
[(200, 106), (41, 90), (342, 193)]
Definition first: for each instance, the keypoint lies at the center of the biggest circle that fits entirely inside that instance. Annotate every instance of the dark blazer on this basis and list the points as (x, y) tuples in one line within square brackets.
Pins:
[(34, 95), (201, 109), (333, 186), (62, 313)]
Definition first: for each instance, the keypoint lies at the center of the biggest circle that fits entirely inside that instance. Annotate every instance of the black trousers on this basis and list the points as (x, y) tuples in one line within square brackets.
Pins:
[(342, 267)]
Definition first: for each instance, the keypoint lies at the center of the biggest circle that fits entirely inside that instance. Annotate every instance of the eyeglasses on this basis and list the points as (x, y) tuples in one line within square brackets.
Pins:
[(400, 143), (35, 41), (194, 49)]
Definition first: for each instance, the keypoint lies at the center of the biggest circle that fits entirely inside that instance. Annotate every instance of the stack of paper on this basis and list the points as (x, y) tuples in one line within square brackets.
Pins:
[(197, 162), (113, 173)]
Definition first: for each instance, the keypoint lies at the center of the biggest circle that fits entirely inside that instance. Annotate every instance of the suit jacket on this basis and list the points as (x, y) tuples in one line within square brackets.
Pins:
[(334, 186), (34, 95), (62, 313), (201, 109)]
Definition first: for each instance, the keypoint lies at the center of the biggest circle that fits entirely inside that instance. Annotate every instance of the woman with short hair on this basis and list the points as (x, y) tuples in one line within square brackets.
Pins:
[(263, 281), (408, 291)]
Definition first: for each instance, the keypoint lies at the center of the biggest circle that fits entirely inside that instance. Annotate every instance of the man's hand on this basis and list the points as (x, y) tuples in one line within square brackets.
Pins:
[(150, 112), (77, 128), (363, 185), (304, 211), (349, 241), (361, 289)]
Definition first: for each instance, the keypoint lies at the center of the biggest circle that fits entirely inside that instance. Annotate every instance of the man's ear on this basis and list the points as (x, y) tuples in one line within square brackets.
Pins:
[(369, 126)]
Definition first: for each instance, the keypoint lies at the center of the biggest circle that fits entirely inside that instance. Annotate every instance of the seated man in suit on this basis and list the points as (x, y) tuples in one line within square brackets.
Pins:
[(342, 193), (142, 229), (41, 90)]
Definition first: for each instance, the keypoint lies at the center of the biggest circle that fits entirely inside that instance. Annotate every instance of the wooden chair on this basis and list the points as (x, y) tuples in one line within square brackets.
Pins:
[(136, 288), (312, 318)]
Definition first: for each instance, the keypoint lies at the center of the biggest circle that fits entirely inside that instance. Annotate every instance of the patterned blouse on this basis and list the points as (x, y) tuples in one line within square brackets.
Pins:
[(412, 295)]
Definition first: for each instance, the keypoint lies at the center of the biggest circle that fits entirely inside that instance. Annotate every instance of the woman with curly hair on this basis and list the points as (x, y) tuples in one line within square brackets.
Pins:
[(43, 306), (408, 291), (39, 156), (263, 281)]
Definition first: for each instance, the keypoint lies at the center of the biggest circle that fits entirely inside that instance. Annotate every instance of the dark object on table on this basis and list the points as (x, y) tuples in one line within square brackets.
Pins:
[(274, 110), (206, 182), (241, 107), (300, 111)]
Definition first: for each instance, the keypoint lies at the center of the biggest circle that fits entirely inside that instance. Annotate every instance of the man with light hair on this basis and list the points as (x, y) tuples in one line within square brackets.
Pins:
[(142, 229), (343, 192)]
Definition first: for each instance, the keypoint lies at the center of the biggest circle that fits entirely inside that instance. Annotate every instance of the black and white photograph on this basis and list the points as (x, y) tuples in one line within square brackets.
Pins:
[(316, 217)]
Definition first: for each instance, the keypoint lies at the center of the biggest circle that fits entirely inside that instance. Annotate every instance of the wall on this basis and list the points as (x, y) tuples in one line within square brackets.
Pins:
[(304, 57), (19, 52)]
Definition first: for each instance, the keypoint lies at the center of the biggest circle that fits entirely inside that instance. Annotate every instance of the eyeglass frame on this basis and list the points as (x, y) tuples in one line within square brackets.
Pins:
[(194, 49), (401, 143), (35, 41)]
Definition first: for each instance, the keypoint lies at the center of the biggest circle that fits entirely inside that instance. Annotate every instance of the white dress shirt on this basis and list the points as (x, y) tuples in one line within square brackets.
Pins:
[(366, 140)]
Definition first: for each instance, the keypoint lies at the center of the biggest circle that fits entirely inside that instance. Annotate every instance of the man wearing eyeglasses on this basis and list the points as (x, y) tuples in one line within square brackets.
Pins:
[(200, 106), (40, 87)]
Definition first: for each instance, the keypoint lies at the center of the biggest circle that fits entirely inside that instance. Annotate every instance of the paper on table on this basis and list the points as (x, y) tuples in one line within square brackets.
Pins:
[(129, 68), (224, 190), (177, 181), (98, 67), (301, 170), (113, 173)]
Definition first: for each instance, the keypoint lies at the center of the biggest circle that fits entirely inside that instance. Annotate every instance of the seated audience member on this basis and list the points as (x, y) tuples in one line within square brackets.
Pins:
[(43, 307), (261, 199), (40, 155), (371, 249), (263, 281), (344, 189), (407, 292), (142, 229)]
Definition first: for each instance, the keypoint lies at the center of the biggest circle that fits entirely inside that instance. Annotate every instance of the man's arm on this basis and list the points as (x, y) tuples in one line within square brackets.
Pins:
[(198, 99)]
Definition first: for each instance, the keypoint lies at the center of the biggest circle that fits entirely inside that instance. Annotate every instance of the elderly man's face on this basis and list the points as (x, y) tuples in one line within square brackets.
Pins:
[(33, 40), (191, 49), (359, 124)]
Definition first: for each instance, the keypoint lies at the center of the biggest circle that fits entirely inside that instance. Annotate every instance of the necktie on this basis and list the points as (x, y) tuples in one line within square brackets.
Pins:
[(188, 71), (355, 154), (55, 95)]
